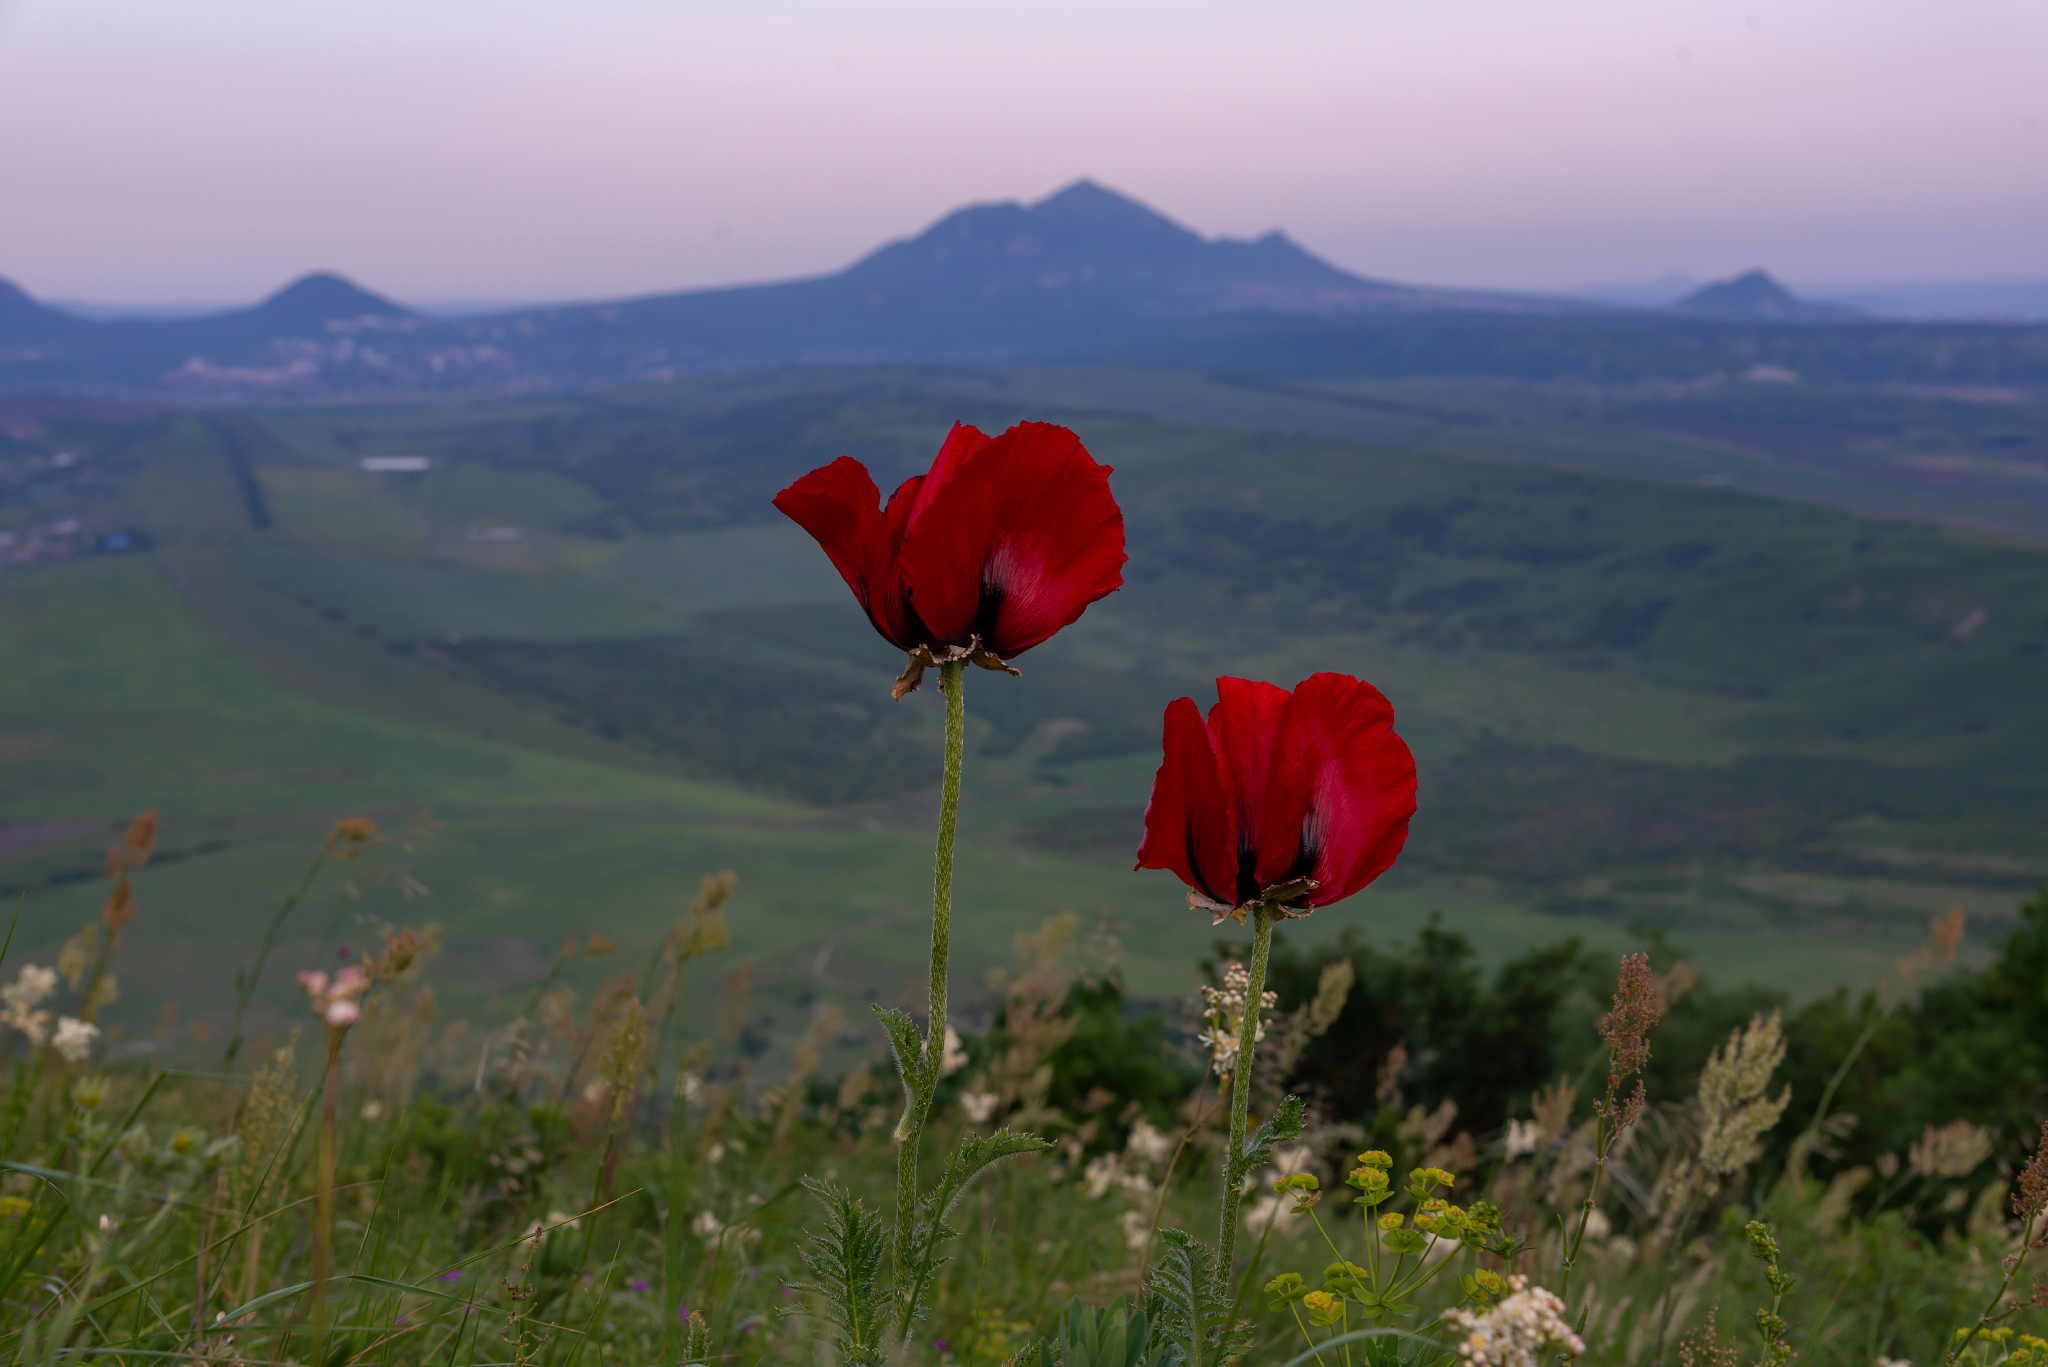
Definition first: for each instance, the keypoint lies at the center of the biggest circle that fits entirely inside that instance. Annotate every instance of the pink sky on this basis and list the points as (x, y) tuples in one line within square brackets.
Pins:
[(178, 150)]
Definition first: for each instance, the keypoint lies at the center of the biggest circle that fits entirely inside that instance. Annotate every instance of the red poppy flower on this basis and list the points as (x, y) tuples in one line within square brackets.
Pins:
[(1295, 799), (1004, 542)]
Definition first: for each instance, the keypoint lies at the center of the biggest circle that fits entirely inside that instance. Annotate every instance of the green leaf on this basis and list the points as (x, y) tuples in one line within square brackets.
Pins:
[(975, 1155), (846, 1260), (1191, 1304), (1404, 1241), (1285, 1124), (909, 1046)]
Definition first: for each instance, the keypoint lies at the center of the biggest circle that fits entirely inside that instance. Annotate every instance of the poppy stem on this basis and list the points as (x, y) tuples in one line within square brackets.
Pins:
[(1241, 1089), (911, 1128), (950, 680)]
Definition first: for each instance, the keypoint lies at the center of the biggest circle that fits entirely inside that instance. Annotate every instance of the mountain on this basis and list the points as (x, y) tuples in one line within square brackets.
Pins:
[(24, 322), (313, 301), (1083, 275), (1092, 243), (1756, 297), (1085, 270)]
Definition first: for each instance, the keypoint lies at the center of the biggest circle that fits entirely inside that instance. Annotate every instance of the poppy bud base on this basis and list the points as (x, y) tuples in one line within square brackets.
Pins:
[(924, 657)]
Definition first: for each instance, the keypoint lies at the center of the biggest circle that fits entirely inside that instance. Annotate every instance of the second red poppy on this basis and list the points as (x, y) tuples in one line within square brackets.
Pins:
[(1005, 541), (1294, 799)]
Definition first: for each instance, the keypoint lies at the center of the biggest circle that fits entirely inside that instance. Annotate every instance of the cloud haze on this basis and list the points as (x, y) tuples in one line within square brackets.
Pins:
[(515, 149)]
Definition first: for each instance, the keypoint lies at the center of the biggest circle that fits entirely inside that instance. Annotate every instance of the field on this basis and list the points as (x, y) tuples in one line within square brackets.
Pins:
[(580, 662)]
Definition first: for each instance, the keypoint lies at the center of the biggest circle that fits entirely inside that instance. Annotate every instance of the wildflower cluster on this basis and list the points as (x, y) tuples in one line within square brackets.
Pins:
[(31, 987), (1517, 1331), (2002, 1347), (334, 1000), (1405, 1251), (1223, 1016), (19, 1000)]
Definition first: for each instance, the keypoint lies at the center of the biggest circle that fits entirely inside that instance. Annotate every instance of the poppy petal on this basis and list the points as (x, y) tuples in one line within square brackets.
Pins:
[(962, 442), (1341, 791), (1191, 821), (838, 505), (897, 514), (1022, 536), (1246, 720)]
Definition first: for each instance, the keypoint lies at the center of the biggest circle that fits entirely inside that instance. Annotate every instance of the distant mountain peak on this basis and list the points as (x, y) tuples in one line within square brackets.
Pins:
[(1755, 295), (1090, 202), (1087, 239), (26, 317), (311, 300)]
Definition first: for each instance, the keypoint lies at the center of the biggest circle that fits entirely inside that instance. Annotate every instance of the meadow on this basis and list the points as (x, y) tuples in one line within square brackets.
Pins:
[(1680, 673), (583, 646)]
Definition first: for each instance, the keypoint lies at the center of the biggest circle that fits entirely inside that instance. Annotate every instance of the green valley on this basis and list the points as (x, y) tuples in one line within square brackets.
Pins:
[(578, 661)]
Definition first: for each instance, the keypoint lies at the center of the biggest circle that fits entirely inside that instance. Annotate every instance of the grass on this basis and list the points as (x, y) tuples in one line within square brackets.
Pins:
[(410, 600), (546, 1194)]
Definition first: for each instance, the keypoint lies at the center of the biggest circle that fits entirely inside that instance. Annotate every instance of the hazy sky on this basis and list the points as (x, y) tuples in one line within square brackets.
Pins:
[(176, 150)]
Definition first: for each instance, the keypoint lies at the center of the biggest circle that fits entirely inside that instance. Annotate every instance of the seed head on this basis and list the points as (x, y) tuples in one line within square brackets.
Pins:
[(1637, 1008), (2030, 1198), (1735, 1107)]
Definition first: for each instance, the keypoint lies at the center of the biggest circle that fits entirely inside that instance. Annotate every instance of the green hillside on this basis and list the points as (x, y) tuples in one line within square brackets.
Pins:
[(582, 662)]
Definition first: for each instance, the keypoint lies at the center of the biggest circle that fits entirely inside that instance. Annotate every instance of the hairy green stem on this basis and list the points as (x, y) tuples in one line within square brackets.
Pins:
[(910, 1129), (1241, 1089)]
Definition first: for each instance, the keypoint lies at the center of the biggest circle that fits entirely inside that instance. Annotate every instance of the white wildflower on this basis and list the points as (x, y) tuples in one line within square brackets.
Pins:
[(19, 998), (1224, 1009), (1523, 1138), (978, 1106), (1136, 1225), (1268, 1214), (1150, 1145), (31, 987), (373, 1110), (1101, 1174), (1956, 1149), (953, 1057), (688, 1087), (1290, 1159), (74, 1038), (707, 1226), (1518, 1332)]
